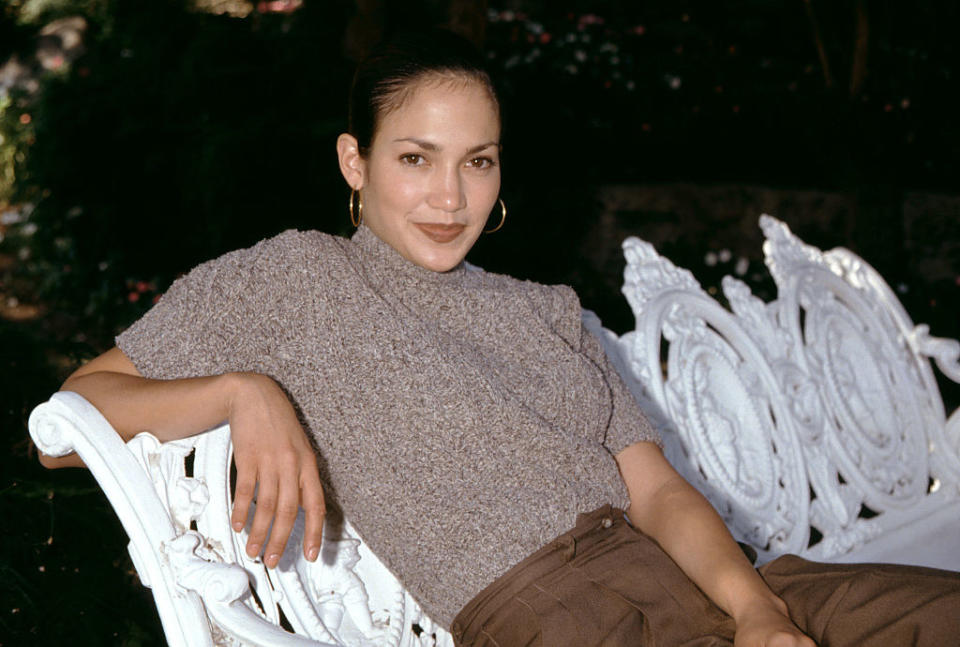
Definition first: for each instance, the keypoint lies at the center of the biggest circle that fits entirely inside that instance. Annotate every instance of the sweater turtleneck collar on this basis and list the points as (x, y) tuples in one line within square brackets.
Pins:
[(384, 265)]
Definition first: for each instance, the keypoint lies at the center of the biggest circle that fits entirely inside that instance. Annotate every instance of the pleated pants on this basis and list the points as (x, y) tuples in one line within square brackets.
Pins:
[(606, 584)]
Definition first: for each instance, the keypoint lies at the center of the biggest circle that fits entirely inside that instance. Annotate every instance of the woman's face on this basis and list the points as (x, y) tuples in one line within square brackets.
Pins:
[(432, 175)]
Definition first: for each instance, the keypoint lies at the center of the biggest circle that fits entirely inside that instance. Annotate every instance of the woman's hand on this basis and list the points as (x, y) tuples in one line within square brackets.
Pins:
[(272, 453), (668, 509), (768, 625), (276, 462)]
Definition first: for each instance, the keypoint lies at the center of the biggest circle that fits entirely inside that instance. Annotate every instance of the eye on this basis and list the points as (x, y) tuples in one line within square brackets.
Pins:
[(412, 159), (481, 162)]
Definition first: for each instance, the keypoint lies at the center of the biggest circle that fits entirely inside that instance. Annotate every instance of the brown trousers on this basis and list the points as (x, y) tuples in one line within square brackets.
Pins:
[(606, 584)]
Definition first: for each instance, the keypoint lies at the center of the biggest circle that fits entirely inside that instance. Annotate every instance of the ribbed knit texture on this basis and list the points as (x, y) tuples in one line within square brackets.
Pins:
[(462, 419)]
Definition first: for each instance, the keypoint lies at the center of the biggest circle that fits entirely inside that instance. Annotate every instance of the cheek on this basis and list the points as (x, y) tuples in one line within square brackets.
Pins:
[(486, 191), (398, 190)]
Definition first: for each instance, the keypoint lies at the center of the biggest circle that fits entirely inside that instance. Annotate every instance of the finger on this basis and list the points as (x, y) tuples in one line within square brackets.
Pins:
[(283, 520), (315, 509), (266, 505), (243, 496)]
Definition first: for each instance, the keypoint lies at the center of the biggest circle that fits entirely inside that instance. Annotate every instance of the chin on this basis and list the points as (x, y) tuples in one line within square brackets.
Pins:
[(440, 260), (440, 257), (440, 264)]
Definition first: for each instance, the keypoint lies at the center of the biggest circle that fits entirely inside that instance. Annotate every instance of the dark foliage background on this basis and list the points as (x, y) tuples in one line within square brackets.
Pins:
[(174, 134)]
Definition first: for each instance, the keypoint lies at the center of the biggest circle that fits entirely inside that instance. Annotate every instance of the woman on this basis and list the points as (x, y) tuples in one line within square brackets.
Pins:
[(462, 419)]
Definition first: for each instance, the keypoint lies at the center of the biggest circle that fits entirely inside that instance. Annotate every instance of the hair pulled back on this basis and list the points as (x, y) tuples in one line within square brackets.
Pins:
[(389, 74)]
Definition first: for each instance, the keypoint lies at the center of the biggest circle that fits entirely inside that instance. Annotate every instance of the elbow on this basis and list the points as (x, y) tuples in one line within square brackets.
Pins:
[(56, 462), (50, 462), (71, 380)]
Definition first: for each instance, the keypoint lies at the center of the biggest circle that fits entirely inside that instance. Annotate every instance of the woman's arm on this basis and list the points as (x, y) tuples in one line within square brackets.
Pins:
[(671, 511), (271, 450)]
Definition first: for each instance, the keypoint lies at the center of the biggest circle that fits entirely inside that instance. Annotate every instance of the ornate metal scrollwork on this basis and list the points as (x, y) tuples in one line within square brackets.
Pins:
[(798, 413)]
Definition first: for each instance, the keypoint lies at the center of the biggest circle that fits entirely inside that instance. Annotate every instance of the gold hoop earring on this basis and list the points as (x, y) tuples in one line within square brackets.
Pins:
[(503, 218), (356, 220)]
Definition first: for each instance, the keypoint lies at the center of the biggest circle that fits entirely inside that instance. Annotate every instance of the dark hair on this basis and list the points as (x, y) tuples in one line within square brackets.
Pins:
[(386, 77)]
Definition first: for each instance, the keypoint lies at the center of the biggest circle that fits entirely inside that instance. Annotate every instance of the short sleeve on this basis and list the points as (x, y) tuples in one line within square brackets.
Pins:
[(227, 314), (197, 325), (628, 423)]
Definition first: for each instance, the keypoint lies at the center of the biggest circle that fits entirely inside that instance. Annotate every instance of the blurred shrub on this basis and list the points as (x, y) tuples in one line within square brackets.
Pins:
[(701, 90), (176, 137), (698, 91), (180, 134)]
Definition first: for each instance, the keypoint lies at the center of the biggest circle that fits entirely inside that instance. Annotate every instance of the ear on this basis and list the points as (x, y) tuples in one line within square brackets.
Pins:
[(352, 165)]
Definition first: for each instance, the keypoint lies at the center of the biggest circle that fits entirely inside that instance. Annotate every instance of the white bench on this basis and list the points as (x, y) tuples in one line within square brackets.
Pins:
[(813, 423)]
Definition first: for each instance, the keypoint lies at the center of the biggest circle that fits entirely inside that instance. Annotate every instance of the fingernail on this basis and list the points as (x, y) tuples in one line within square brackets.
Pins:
[(253, 550), (313, 553), (238, 526), (272, 560)]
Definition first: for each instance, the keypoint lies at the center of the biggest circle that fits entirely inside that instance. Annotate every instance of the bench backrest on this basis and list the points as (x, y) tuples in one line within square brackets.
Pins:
[(814, 422)]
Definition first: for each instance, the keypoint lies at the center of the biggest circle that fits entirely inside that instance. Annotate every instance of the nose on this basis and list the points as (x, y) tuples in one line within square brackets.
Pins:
[(446, 192)]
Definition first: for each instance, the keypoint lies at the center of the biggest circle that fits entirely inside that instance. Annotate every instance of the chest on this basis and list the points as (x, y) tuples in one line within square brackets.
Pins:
[(471, 358)]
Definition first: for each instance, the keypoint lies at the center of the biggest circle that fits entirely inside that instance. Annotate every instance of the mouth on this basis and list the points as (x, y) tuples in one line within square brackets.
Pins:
[(439, 233)]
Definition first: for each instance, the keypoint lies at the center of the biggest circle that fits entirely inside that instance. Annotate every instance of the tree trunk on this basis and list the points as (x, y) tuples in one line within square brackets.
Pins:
[(469, 19), (858, 71), (365, 29), (818, 41), (375, 19)]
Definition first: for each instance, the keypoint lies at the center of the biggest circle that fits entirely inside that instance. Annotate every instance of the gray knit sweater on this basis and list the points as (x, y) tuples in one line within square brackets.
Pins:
[(463, 419)]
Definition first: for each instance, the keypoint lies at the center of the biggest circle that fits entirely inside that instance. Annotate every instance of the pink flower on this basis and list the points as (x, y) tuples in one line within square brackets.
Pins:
[(133, 297), (279, 6)]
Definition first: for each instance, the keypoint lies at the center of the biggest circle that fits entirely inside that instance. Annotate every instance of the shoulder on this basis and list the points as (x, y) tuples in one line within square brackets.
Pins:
[(530, 289), (291, 246), (277, 255), (277, 264), (552, 302)]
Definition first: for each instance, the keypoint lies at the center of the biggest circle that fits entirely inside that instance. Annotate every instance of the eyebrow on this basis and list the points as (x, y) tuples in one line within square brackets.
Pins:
[(430, 146)]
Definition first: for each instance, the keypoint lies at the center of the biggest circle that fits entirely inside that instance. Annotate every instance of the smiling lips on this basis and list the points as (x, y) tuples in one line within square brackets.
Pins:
[(439, 233)]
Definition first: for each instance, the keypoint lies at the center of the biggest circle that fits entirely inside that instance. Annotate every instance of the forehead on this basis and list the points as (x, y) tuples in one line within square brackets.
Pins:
[(449, 107)]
